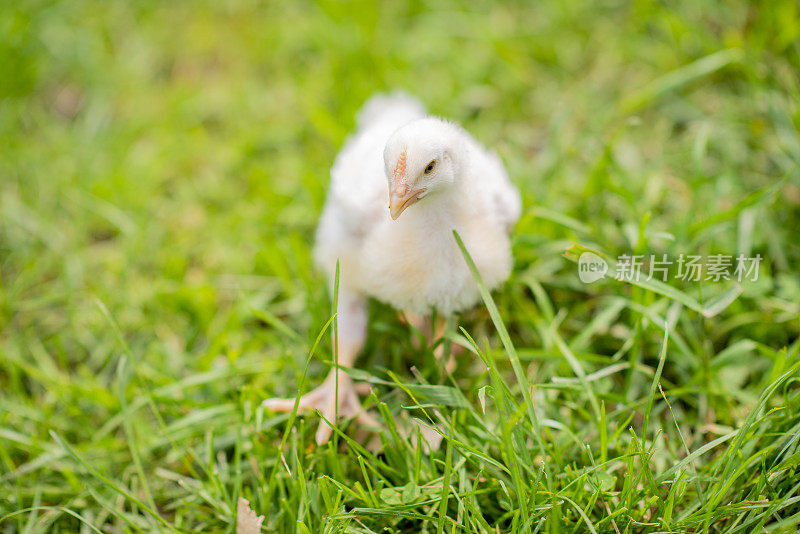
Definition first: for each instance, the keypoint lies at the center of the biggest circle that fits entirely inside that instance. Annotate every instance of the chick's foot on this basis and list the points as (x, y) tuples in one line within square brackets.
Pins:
[(324, 398)]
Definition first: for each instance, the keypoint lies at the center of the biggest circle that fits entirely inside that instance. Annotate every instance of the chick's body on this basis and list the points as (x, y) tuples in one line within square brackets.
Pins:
[(414, 263), (399, 188)]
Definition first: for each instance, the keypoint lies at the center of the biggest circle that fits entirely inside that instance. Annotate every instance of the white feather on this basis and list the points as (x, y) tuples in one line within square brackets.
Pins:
[(414, 263)]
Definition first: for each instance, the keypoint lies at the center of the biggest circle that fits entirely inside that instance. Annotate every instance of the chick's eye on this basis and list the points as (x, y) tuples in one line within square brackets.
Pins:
[(429, 168)]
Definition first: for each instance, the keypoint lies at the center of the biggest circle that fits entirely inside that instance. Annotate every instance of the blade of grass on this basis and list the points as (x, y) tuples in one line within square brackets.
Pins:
[(505, 338), (655, 384), (448, 466), (680, 77), (108, 482)]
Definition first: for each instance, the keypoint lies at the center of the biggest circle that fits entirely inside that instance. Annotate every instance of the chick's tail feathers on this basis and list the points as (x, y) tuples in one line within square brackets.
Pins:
[(395, 103)]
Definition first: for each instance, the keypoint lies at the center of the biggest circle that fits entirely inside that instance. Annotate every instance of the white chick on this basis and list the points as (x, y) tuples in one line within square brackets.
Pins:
[(439, 180)]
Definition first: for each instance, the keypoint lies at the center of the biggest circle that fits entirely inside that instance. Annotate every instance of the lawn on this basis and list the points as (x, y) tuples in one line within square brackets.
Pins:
[(162, 168)]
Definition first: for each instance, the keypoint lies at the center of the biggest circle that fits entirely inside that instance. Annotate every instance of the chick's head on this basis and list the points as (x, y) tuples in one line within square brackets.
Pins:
[(421, 160)]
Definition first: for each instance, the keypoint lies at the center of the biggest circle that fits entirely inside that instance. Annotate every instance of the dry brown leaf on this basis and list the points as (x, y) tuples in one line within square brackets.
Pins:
[(247, 522)]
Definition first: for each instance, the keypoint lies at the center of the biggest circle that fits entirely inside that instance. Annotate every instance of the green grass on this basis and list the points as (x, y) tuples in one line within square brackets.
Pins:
[(162, 166)]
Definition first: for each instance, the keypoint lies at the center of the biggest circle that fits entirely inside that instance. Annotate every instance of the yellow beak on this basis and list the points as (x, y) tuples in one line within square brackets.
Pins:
[(402, 196)]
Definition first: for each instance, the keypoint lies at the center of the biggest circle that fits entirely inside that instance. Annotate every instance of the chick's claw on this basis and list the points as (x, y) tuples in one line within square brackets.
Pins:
[(323, 399)]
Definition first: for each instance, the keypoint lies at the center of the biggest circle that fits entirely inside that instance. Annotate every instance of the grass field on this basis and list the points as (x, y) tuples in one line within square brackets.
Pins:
[(162, 168)]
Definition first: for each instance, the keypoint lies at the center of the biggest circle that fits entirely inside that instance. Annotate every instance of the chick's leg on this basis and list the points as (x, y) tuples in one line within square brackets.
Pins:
[(352, 325)]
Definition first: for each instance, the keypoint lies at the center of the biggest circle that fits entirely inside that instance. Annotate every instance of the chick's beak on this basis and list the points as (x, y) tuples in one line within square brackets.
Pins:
[(402, 196)]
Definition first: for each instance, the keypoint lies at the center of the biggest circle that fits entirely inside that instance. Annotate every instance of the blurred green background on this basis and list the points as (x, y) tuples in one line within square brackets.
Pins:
[(162, 166)]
